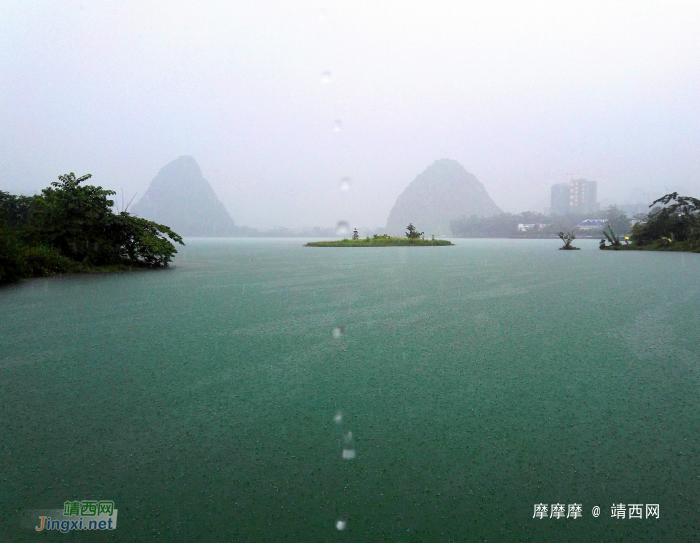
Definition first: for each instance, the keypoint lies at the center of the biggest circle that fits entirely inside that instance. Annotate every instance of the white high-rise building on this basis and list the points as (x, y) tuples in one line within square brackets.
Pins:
[(578, 196)]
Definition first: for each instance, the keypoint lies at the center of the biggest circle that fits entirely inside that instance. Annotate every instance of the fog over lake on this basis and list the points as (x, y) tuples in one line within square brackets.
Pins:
[(523, 94), (370, 332)]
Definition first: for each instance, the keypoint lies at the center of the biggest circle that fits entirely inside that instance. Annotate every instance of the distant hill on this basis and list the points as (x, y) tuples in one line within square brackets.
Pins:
[(443, 192), (182, 199)]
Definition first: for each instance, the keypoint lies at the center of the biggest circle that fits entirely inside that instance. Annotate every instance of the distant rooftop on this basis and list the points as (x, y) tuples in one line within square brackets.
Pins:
[(523, 227), (591, 224)]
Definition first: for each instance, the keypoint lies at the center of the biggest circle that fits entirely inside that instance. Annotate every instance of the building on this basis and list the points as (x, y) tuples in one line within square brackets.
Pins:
[(560, 199), (582, 196), (592, 224), (578, 196), (525, 227)]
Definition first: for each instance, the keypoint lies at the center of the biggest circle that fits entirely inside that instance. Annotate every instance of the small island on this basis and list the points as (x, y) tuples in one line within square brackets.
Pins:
[(413, 239), (674, 227), (568, 239)]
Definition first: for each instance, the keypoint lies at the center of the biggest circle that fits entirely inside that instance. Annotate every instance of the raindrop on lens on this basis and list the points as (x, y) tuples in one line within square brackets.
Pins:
[(348, 447), (326, 78), (345, 184), (337, 126), (342, 228), (340, 525), (338, 332)]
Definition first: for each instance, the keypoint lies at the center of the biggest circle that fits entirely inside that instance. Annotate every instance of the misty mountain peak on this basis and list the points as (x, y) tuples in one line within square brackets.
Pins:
[(443, 192), (182, 199), (185, 167)]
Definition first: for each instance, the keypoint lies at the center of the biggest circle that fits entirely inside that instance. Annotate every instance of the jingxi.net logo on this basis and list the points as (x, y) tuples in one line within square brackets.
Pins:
[(82, 515)]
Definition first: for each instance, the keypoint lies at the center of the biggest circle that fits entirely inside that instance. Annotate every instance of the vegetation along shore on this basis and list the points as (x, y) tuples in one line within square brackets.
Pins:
[(673, 227), (71, 227)]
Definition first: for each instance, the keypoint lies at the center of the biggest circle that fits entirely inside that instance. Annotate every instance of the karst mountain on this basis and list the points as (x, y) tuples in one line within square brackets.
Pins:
[(445, 191), (182, 199)]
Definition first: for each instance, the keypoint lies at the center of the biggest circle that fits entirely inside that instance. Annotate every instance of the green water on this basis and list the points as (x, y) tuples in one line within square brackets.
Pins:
[(477, 381)]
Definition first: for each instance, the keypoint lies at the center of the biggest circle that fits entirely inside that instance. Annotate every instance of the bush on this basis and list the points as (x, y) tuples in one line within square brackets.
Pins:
[(18, 260), (12, 263), (679, 220), (42, 261), (71, 227)]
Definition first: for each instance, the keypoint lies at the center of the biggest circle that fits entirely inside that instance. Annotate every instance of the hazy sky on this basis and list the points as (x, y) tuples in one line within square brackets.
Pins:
[(521, 93)]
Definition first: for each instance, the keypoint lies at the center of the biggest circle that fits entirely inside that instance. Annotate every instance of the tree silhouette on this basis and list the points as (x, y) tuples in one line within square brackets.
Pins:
[(413, 233), (567, 239)]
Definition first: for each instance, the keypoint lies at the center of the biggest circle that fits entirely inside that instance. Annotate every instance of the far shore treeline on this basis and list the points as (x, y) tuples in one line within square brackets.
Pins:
[(71, 227), (673, 223), (540, 225)]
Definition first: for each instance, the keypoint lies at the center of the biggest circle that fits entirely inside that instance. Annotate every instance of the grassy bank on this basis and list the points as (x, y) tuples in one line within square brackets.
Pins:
[(690, 246), (381, 241)]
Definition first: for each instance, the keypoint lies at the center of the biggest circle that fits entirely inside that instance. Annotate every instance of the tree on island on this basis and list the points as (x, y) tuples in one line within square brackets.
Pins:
[(612, 237), (678, 220), (413, 233), (567, 239), (72, 227)]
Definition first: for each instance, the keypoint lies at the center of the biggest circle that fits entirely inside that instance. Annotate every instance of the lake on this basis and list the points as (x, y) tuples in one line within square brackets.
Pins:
[(259, 390)]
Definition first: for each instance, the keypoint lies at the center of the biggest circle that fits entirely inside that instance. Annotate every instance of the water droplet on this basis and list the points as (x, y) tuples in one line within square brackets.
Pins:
[(348, 447), (342, 228), (345, 183), (338, 332), (326, 78), (338, 418), (340, 525), (337, 126)]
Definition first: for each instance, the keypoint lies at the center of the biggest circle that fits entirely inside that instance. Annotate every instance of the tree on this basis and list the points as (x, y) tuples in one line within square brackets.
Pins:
[(72, 226), (76, 219), (611, 237), (685, 205), (678, 221), (15, 211), (79, 221), (413, 233), (567, 239), (143, 242), (12, 264), (506, 225)]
